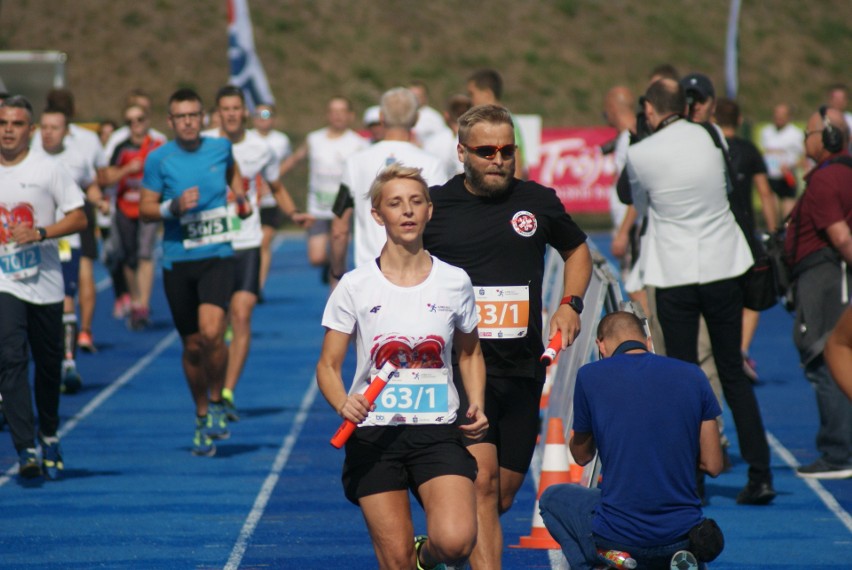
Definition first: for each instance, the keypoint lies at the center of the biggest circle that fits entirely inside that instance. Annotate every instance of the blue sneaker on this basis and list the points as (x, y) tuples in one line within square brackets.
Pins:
[(28, 466), (230, 408), (202, 444), (51, 457), (218, 425)]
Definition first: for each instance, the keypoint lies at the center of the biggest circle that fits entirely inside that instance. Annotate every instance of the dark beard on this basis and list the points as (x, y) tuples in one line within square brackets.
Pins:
[(476, 181)]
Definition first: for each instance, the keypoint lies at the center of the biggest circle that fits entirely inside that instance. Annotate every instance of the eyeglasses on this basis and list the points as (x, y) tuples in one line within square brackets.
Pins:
[(184, 116), (134, 120), (264, 114), (809, 133), (489, 151)]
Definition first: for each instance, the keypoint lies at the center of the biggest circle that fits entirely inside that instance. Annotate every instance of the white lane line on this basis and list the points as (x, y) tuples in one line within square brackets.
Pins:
[(268, 487), (820, 491), (104, 394)]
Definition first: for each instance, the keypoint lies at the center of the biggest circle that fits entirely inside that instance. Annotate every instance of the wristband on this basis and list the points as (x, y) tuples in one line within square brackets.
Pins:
[(574, 302), (170, 209)]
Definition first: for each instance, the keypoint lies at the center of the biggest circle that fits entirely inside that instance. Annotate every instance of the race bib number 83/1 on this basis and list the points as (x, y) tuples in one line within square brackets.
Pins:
[(503, 312)]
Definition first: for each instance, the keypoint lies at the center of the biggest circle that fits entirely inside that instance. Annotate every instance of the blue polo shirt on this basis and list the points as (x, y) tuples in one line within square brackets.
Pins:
[(169, 170), (645, 412)]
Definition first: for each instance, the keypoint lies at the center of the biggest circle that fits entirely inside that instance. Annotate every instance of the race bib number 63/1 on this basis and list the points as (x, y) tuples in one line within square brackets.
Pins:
[(419, 394)]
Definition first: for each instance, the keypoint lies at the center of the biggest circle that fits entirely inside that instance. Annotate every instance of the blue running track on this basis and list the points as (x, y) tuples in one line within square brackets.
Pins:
[(133, 496)]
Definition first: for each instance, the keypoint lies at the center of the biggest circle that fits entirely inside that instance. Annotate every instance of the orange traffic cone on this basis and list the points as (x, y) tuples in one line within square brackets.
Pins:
[(554, 469), (575, 472)]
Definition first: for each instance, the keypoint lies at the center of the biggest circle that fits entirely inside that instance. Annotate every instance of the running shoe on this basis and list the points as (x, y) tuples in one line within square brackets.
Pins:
[(419, 541), (822, 469), (85, 342), (121, 308), (139, 319), (71, 381), (202, 445), (51, 457), (230, 408), (28, 466), (218, 424)]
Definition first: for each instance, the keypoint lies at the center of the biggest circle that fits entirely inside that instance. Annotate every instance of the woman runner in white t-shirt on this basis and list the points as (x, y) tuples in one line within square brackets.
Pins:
[(411, 309)]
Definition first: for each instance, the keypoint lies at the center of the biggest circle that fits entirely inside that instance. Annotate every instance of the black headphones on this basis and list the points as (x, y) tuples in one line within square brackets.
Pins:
[(832, 137)]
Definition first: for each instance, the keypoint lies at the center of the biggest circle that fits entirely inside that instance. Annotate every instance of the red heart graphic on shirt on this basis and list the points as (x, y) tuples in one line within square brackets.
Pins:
[(5, 218), (20, 213), (404, 352)]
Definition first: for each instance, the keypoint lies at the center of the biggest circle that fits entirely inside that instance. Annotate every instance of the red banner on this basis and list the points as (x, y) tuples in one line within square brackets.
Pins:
[(571, 162)]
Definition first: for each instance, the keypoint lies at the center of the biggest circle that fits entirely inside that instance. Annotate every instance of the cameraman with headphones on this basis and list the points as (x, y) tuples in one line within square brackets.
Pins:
[(819, 249)]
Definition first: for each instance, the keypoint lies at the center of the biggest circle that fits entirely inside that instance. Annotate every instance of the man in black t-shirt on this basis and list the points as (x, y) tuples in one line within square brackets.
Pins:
[(496, 228)]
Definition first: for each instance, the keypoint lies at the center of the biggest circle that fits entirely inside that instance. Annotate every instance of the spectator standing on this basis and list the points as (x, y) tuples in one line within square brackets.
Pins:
[(677, 176), (819, 243)]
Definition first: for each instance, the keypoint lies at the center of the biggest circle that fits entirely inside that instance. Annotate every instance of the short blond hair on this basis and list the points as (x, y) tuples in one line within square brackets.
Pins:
[(396, 171)]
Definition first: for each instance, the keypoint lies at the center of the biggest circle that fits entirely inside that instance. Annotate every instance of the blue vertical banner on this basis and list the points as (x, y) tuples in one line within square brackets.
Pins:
[(246, 69)]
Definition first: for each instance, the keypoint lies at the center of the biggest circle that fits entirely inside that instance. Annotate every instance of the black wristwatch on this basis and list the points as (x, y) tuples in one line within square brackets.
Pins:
[(42, 234), (574, 302)]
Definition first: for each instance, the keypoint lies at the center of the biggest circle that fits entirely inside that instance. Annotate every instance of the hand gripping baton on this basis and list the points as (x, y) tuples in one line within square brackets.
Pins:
[(373, 390), (552, 349)]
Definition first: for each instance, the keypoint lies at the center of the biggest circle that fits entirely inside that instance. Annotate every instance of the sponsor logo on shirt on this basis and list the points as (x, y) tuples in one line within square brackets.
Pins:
[(376, 309), (435, 308), (524, 223)]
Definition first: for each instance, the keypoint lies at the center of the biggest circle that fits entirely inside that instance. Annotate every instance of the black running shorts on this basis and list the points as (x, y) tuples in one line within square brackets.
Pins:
[(189, 284), (271, 216), (88, 243), (247, 270), (381, 459), (512, 408)]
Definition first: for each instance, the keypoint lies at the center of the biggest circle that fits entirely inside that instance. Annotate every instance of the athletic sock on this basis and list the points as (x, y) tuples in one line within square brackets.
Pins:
[(69, 323)]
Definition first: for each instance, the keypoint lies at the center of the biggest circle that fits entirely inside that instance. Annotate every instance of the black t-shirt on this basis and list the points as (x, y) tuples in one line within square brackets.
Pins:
[(500, 243), (746, 162)]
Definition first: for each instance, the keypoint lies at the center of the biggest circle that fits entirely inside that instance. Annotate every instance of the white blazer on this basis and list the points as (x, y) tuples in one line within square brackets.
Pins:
[(677, 177)]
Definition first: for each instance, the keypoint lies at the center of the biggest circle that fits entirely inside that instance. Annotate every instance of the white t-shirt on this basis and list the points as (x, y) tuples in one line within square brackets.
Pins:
[(444, 146), (358, 174), (617, 209), (83, 173), (256, 160), (327, 156), (32, 191), (411, 326), (280, 144), (430, 123), (781, 148)]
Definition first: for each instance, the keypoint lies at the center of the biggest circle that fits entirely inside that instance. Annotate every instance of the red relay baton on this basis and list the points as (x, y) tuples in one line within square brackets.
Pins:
[(552, 349), (373, 390)]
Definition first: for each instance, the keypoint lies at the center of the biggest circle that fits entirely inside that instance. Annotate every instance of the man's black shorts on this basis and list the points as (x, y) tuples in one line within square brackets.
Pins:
[(88, 243), (271, 216), (512, 408), (189, 284)]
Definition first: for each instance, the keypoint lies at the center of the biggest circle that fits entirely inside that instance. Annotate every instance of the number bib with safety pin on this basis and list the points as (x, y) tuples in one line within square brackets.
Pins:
[(64, 250), (206, 228), (416, 395), (503, 312), (20, 262)]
